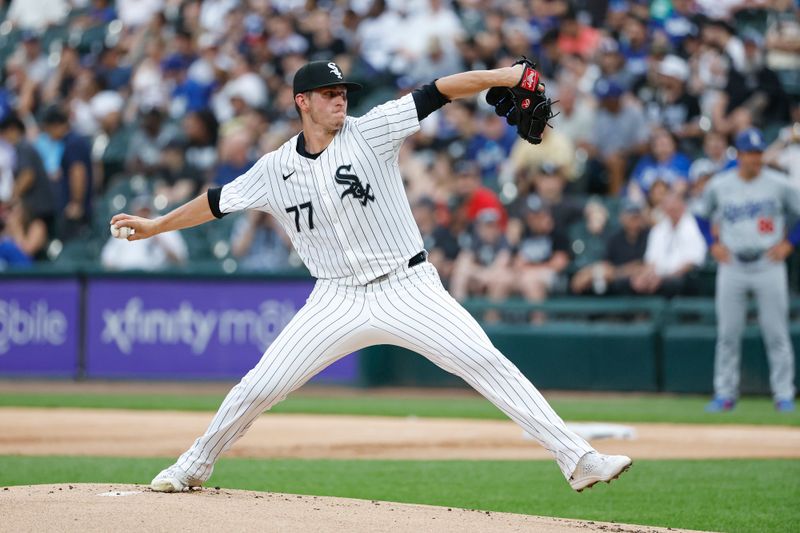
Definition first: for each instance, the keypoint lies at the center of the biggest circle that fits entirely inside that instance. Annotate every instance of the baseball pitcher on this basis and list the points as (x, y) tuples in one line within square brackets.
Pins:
[(337, 191)]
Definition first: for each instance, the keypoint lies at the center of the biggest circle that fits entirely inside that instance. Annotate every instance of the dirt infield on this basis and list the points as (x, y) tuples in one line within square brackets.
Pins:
[(124, 433), (101, 508)]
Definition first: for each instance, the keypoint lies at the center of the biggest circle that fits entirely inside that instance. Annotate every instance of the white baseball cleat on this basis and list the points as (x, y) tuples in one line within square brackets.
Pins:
[(173, 479), (595, 467)]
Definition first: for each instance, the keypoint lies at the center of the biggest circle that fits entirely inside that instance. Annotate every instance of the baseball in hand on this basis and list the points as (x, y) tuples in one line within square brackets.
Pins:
[(121, 233)]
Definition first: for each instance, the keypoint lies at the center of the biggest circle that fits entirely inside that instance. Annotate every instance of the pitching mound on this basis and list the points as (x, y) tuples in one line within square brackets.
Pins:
[(99, 507)]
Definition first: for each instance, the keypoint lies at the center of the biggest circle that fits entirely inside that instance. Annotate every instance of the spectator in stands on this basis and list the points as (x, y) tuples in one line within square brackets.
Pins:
[(245, 85), (577, 38), (136, 13), (634, 45), (234, 157), (174, 178), (589, 235), (675, 249), (576, 117), (483, 265), (323, 43), (377, 37), (753, 94), (187, 93), (679, 24), (200, 130), (82, 120), (260, 244), (11, 253), (719, 34), (612, 64), (490, 148), (624, 256), (550, 184), (541, 257), (715, 152), (30, 53), (783, 44), (74, 173), (556, 149), (700, 173), (149, 141), (441, 244), (671, 106), (662, 163), (165, 250), (111, 145), (62, 80), (31, 184), (470, 197), (37, 14), (619, 133), (111, 68), (27, 232), (784, 153)]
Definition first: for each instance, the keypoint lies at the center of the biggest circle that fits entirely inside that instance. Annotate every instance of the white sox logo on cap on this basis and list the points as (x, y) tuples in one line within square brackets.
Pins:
[(335, 70)]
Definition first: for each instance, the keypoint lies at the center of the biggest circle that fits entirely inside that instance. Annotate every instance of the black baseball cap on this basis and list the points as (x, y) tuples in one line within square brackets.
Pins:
[(317, 74)]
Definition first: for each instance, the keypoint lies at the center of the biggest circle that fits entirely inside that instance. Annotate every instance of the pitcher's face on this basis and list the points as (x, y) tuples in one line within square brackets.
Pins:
[(326, 106)]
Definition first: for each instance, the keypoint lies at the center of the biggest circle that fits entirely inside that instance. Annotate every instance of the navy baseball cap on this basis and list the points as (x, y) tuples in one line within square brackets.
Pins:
[(607, 88), (750, 140), (317, 74)]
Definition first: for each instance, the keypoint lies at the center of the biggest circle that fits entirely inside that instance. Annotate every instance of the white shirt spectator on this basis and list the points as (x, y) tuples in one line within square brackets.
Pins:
[(135, 13), (161, 251), (213, 13), (670, 248), (720, 9), (37, 14), (578, 124), (438, 22), (250, 87), (379, 39), (8, 160)]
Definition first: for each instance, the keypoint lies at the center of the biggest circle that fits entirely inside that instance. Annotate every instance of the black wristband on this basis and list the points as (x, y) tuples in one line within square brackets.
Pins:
[(428, 99), (213, 201)]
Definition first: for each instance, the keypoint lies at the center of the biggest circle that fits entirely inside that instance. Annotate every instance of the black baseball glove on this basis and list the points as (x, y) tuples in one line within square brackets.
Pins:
[(524, 105)]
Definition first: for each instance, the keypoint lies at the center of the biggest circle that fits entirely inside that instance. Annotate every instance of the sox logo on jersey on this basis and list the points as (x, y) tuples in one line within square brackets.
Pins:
[(354, 185)]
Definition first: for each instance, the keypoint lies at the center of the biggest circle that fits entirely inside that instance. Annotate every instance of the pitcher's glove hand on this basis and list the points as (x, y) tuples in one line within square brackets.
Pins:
[(525, 105)]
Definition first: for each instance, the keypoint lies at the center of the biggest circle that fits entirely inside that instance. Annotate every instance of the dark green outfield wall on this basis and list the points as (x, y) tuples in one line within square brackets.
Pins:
[(611, 357)]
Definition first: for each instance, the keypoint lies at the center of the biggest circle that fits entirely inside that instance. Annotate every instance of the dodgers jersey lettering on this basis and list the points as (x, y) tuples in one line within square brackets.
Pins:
[(346, 212), (751, 215)]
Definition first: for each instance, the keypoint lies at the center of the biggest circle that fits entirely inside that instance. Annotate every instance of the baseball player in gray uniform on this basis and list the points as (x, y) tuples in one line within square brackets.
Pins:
[(749, 206), (337, 191)]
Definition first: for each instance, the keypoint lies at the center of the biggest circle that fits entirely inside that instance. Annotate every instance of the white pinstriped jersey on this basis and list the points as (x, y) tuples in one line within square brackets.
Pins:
[(346, 211)]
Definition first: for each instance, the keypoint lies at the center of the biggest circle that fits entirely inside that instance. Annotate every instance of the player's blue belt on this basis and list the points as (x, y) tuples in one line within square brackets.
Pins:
[(748, 257), (417, 259)]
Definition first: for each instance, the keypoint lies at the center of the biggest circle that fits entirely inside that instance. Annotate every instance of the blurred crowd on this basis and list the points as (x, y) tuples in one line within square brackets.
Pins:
[(140, 105)]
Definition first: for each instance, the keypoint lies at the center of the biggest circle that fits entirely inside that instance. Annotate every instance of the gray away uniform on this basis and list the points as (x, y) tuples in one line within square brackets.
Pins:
[(751, 217)]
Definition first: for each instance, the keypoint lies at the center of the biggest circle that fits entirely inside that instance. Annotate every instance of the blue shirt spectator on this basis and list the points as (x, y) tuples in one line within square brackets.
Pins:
[(11, 255), (491, 147), (663, 163)]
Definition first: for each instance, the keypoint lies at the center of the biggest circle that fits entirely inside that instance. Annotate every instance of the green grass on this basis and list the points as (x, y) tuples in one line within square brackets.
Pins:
[(721, 495), (623, 409)]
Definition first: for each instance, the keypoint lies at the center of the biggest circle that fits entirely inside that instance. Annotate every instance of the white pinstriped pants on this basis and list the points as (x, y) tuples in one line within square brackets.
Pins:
[(409, 308)]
